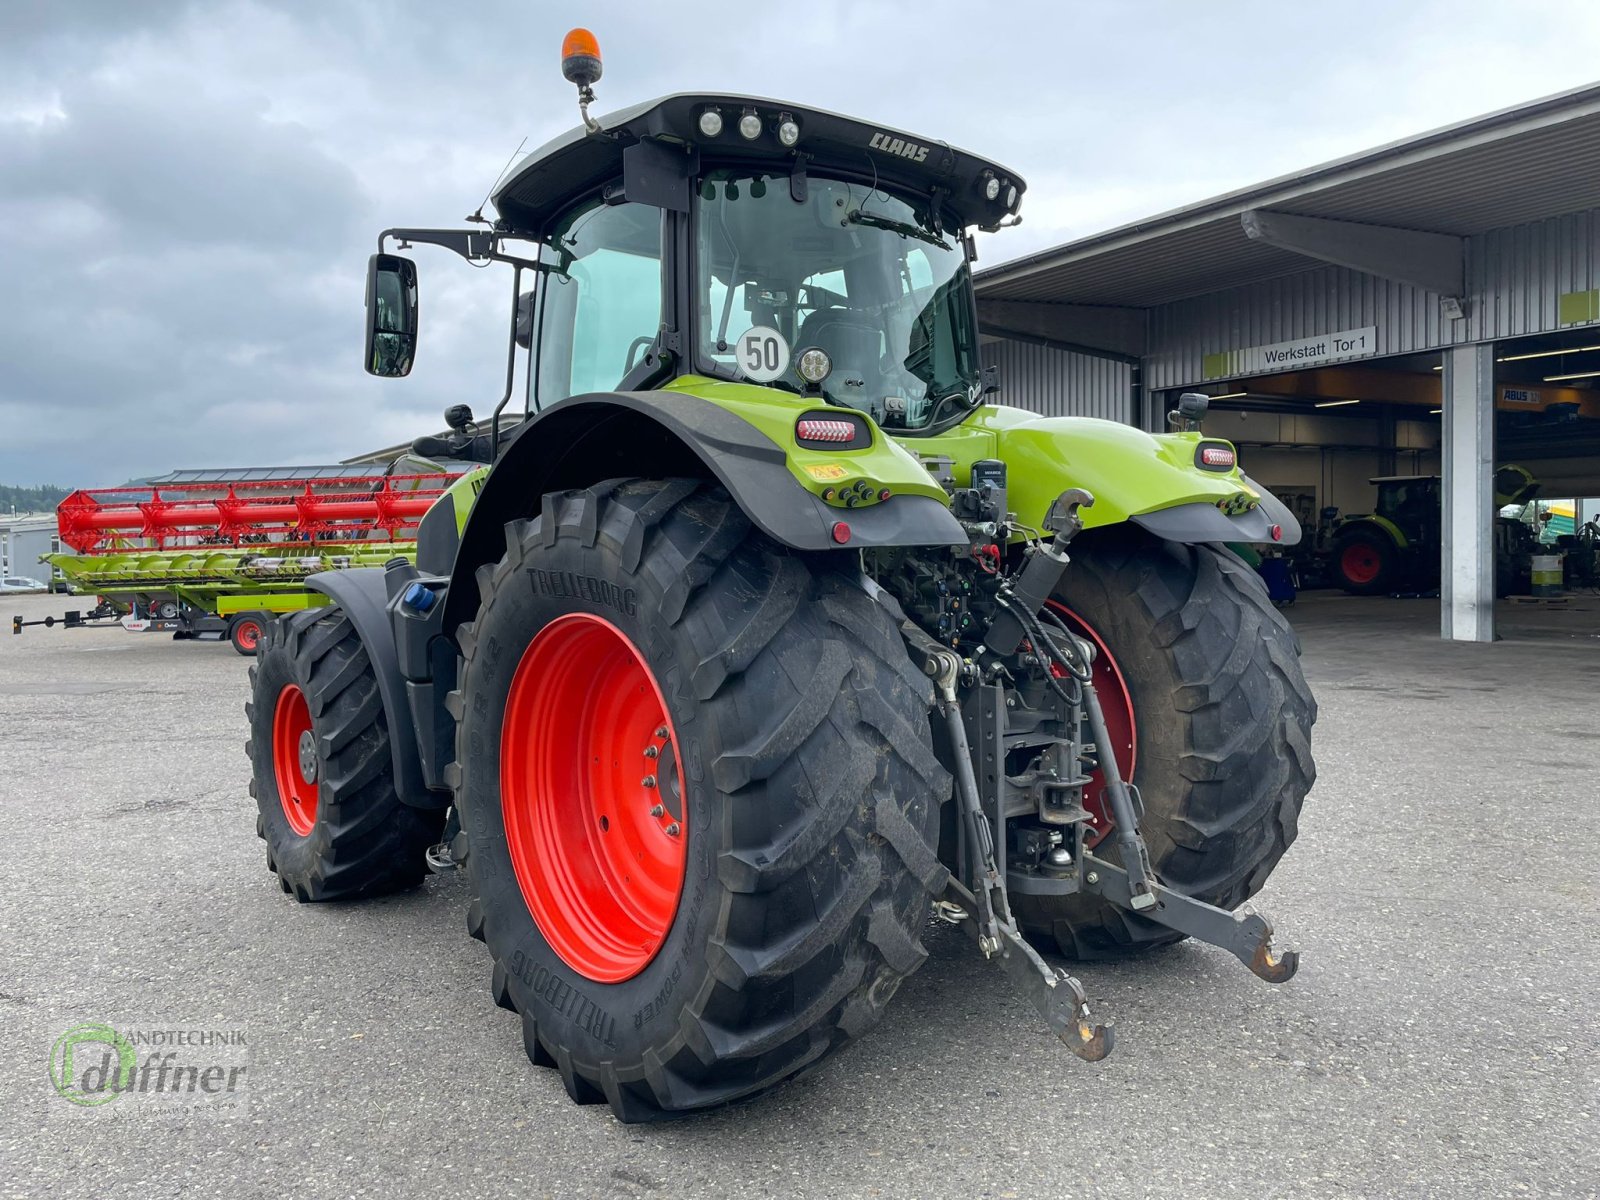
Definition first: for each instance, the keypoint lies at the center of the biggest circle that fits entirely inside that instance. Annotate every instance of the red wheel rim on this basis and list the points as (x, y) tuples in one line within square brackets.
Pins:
[(294, 759), (593, 798), (1360, 563), (248, 634), (1116, 703)]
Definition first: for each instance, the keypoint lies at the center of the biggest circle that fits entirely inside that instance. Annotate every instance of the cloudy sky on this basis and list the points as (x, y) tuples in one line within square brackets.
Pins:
[(189, 191)]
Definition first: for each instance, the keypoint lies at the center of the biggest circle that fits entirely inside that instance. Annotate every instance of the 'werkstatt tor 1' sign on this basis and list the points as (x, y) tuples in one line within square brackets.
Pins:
[(1291, 356)]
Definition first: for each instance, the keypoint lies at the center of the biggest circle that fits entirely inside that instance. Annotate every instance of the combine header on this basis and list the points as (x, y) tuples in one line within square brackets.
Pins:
[(254, 512), (220, 559)]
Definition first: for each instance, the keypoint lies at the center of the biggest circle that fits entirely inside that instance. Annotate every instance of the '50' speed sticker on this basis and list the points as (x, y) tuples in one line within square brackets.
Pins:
[(762, 354)]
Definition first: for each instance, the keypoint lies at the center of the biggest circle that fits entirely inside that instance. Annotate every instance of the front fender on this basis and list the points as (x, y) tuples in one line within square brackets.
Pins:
[(362, 593), (1153, 480)]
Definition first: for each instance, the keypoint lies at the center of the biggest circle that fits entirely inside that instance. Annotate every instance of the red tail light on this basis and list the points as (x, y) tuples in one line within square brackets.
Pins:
[(1218, 457), (820, 429)]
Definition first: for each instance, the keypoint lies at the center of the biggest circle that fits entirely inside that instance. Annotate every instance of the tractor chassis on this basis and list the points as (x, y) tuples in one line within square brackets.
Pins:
[(978, 898)]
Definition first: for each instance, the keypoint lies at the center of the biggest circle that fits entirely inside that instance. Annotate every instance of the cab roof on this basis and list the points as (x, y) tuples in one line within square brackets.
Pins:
[(579, 162)]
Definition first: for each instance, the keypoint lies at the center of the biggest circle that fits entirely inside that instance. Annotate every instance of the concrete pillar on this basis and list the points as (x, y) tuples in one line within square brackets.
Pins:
[(1466, 572)]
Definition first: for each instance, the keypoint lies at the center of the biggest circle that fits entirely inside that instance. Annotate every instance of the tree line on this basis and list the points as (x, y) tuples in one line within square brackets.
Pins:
[(40, 499)]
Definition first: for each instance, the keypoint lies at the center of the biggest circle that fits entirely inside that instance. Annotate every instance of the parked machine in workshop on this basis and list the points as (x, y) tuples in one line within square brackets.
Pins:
[(768, 634), (1396, 546)]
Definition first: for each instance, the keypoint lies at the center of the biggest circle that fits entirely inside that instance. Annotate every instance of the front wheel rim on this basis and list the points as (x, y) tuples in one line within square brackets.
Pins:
[(592, 798), (294, 759)]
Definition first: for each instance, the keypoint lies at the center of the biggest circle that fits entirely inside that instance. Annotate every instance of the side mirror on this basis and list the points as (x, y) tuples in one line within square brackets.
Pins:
[(391, 343)]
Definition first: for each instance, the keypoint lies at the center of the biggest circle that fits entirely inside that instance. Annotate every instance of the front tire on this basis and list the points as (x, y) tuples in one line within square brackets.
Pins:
[(681, 970), (1218, 736), (322, 773)]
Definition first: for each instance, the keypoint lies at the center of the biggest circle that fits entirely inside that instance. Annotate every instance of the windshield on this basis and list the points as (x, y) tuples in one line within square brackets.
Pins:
[(851, 271)]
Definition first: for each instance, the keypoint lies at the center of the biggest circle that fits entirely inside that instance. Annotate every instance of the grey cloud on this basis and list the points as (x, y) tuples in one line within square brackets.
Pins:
[(164, 170), (188, 192)]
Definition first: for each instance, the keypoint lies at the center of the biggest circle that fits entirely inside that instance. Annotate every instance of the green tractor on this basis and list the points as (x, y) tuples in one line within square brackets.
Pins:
[(1396, 546), (761, 636)]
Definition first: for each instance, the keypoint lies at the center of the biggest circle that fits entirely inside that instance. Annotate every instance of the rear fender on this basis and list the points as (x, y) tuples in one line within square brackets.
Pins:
[(1374, 522), (662, 435)]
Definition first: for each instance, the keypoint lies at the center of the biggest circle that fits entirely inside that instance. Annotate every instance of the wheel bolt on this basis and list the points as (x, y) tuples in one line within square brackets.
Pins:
[(674, 829), (657, 810), (651, 752), (662, 732), (649, 781)]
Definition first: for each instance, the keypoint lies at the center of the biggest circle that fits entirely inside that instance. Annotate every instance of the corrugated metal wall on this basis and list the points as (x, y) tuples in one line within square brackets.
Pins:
[(1515, 277), (1517, 274), (1060, 383)]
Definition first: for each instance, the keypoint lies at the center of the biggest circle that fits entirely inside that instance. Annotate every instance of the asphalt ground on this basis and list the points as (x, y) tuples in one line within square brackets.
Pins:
[(1440, 1039)]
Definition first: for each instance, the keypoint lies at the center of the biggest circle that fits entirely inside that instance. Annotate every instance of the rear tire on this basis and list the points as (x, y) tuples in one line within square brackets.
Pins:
[(322, 772), (809, 807), (1366, 563), (1223, 718)]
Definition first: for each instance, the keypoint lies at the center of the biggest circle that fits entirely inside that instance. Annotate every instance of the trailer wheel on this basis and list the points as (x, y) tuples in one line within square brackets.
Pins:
[(699, 795), (322, 775), (1210, 715), (245, 631)]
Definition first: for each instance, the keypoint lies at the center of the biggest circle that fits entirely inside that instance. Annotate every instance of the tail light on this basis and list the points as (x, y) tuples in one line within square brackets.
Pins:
[(832, 431), (1215, 456), (817, 430)]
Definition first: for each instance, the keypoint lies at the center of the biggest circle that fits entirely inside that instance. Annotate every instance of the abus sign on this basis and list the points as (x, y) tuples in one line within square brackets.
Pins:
[(1290, 356)]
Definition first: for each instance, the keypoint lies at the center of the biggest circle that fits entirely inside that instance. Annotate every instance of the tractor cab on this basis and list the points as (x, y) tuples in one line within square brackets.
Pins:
[(739, 239), (1411, 502)]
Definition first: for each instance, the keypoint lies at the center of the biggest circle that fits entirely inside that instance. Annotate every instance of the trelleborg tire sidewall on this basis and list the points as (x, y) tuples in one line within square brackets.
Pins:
[(617, 1021)]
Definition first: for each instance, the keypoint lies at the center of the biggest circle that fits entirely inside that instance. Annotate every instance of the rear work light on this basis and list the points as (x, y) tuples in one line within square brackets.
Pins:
[(1212, 457)]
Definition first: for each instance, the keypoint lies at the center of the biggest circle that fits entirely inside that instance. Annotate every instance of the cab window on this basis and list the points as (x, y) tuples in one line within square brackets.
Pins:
[(601, 309)]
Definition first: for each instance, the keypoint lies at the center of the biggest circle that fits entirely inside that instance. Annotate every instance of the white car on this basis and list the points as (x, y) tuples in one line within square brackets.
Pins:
[(21, 583)]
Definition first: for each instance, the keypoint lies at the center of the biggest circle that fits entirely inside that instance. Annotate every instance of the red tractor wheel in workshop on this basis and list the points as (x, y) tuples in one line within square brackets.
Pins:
[(1366, 562), (699, 794)]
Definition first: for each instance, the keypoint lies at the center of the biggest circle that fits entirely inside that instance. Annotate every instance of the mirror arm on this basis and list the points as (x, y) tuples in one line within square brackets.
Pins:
[(474, 245), (471, 244), (511, 360)]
